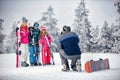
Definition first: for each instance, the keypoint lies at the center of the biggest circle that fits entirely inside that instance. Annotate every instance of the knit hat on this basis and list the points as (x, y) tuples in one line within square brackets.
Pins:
[(36, 24), (24, 19), (43, 28), (66, 28)]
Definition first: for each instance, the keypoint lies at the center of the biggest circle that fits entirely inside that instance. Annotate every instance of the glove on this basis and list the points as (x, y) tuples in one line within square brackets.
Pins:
[(19, 52), (17, 29), (19, 44), (49, 47)]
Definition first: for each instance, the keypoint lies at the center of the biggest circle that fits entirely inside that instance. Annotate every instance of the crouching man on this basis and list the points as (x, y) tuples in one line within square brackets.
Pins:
[(69, 49)]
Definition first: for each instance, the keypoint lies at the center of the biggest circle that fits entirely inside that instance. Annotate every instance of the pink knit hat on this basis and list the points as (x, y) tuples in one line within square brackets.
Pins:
[(43, 28)]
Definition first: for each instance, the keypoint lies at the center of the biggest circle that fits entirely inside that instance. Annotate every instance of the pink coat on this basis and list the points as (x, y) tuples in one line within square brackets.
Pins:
[(24, 35), (44, 42)]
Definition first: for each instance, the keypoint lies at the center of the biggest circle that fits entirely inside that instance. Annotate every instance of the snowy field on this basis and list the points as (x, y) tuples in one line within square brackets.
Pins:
[(53, 72)]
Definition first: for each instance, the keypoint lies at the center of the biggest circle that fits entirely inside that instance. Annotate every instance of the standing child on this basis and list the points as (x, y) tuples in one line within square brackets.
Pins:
[(34, 45), (45, 41), (24, 42)]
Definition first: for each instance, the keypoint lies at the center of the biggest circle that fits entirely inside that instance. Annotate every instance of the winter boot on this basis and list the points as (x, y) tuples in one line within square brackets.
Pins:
[(24, 64), (78, 65), (35, 64), (39, 64), (74, 68), (32, 64), (65, 68)]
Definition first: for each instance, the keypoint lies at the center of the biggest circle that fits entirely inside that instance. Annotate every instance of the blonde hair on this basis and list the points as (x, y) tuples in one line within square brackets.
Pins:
[(24, 24), (24, 27)]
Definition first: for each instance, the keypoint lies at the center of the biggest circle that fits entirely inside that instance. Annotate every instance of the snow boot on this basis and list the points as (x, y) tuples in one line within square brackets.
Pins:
[(39, 64), (65, 68), (32, 64), (78, 65), (24, 64), (74, 69), (35, 64)]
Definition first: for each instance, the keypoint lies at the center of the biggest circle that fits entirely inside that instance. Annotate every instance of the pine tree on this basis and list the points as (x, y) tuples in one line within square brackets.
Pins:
[(103, 39), (82, 26), (13, 37), (95, 33), (116, 39), (10, 40), (49, 21), (2, 36), (106, 41), (116, 31), (110, 40), (117, 4)]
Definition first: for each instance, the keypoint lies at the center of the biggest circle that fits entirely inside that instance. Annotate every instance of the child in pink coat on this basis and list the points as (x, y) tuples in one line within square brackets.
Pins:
[(23, 34), (45, 41)]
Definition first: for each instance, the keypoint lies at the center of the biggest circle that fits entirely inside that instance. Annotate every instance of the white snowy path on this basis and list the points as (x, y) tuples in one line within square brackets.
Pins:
[(53, 72)]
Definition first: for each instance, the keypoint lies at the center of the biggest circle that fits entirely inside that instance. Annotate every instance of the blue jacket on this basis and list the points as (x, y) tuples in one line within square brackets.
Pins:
[(69, 43)]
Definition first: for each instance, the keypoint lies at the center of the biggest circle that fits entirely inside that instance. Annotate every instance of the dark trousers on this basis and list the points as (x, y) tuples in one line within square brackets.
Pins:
[(64, 59)]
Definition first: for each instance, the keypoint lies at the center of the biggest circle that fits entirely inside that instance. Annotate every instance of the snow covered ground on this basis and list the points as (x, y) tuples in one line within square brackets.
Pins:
[(53, 72)]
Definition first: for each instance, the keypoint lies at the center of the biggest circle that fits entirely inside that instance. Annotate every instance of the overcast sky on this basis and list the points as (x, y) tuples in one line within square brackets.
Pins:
[(14, 10)]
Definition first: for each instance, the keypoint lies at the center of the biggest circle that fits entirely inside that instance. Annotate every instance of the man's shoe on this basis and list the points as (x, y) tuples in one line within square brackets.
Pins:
[(65, 68), (74, 69), (78, 65)]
